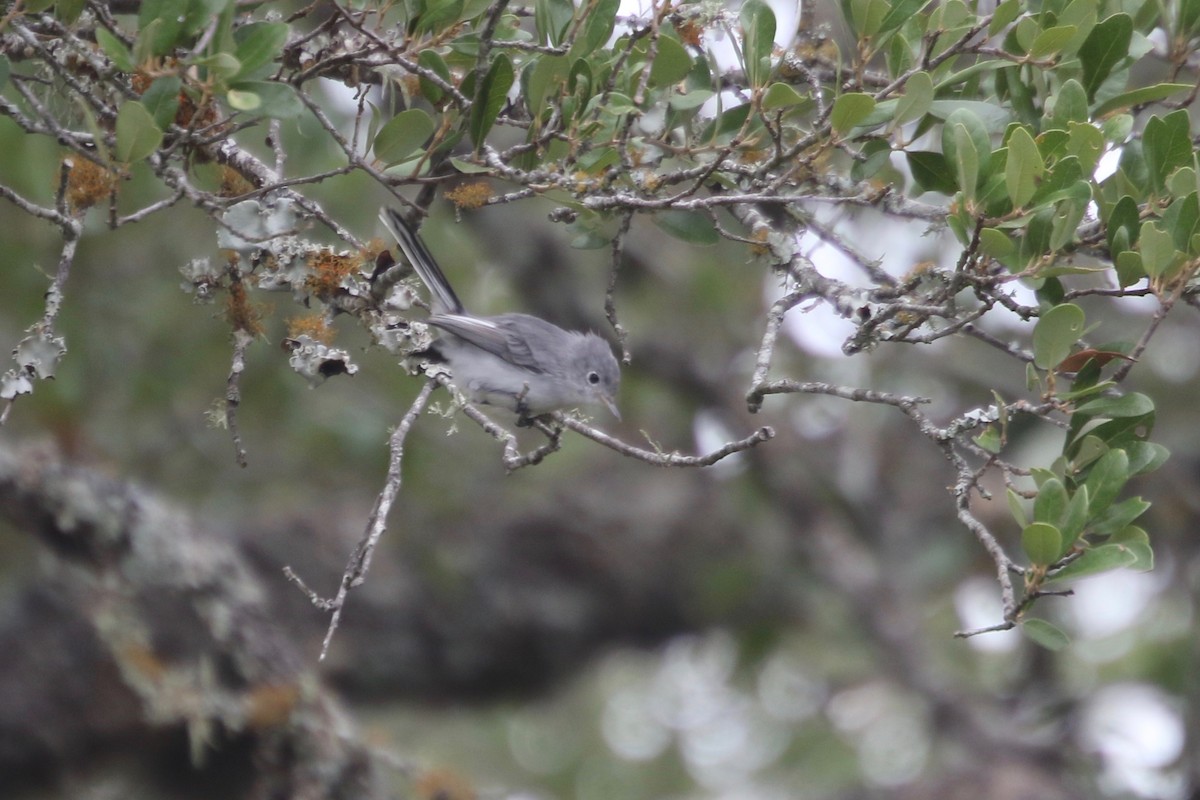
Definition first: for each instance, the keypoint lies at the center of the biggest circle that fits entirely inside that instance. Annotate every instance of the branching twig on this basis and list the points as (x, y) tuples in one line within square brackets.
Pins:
[(657, 457), (360, 560)]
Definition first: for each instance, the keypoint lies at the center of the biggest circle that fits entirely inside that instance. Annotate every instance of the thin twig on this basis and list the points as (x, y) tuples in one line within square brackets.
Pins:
[(233, 392), (360, 559), (660, 458), (610, 301)]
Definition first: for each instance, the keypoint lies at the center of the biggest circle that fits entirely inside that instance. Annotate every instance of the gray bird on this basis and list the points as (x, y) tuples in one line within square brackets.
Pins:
[(516, 361)]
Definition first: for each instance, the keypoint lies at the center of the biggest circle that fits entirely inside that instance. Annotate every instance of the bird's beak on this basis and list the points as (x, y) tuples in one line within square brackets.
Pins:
[(611, 405)]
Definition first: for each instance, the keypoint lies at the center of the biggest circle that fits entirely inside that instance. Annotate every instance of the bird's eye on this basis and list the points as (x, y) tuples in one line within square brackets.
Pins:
[(593, 377)]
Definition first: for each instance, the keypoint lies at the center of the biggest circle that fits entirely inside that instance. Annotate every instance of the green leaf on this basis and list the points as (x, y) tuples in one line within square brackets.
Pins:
[(1124, 216), (1043, 633), (545, 78), (1004, 14), (1188, 21), (1085, 142), (689, 226), (243, 100), (876, 154), (1157, 246), (1116, 128), (1106, 478), (258, 44), (1070, 105), (1167, 146), (467, 168), (137, 135), (587, 237), (882, 113), (900, 12), (1042, 543), (931, 172), (161, 99), (68, 10), (900, 54), (201, 13), (1137, 97), (1136, 541), (1056, 333), (994, 116), (274, 100), (115, 49), (989, 439), (1133, 404), (1074, 518), (1051, 41), (430, 60), (1016, 507), (1023, 168), (1118, 517), (438, 15), (996, 243), (1104, 48), (1181, 183), (220, 64), (917, 98), (780, 95), (1068, 213), (403, 135), (551, 18), (1051, 502), (1081, 14), (160, 26), (967, 146), (696, 98), (671, 64), (1121, 432), (758, 40), (1146, 457), (1095, 560), (849, 110), (866, 16), (490, 98), (600, 18), (729, 122)]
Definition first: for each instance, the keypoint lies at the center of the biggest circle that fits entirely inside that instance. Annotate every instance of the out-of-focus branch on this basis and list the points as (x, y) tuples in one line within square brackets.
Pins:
[(183, 617)]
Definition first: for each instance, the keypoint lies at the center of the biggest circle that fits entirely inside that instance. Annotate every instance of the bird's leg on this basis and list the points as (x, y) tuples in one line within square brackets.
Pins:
[(524, 419)]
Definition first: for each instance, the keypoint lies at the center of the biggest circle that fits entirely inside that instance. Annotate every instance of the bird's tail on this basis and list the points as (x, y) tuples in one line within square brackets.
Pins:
[(443, 299)]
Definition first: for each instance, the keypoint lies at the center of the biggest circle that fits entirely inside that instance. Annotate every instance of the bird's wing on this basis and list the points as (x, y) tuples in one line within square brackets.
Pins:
[(495, 335)]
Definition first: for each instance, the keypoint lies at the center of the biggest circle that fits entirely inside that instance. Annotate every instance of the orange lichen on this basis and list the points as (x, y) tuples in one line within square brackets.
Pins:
[(88, 183), (760, 236), (243, 314), (470, 195), (142, 660), (233, 183), (372, 251), (191, 114), (271, 705), (691, 33), (328, 270), (443, 784), (315, 327), (140, 81)]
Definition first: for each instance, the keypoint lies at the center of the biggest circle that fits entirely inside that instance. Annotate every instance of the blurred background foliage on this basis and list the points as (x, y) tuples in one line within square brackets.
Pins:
[(778, 626)]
